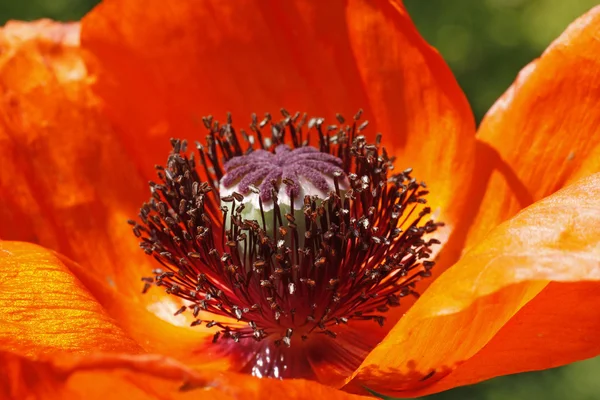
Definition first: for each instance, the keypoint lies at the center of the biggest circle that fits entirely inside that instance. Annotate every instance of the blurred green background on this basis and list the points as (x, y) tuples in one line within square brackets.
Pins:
[(485, 42)]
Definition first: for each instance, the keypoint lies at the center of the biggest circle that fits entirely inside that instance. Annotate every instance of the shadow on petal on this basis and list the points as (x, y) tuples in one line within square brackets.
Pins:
[(130, 377), (545, 126)]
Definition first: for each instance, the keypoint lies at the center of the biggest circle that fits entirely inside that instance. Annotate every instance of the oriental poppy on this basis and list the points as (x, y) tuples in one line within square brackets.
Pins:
[(315, 291)]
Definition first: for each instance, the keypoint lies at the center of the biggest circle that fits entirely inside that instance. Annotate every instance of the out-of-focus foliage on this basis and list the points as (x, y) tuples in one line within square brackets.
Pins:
[(62, 10), (486, 43)]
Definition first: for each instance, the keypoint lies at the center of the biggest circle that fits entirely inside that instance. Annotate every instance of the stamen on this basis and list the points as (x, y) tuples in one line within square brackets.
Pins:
[(298, 240)]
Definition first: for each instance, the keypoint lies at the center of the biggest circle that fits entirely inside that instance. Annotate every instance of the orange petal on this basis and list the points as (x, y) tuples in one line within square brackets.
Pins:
[(45, 309), (544, 129), (160, 69), (66, 181), (415, 100), (142, 377), (556, 239)]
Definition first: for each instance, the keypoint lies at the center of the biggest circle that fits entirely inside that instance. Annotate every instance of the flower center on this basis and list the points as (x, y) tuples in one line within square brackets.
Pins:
[(296, 245)]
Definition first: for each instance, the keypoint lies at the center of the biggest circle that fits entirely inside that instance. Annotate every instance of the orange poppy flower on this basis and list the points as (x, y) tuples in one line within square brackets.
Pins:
[(87, 110)]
